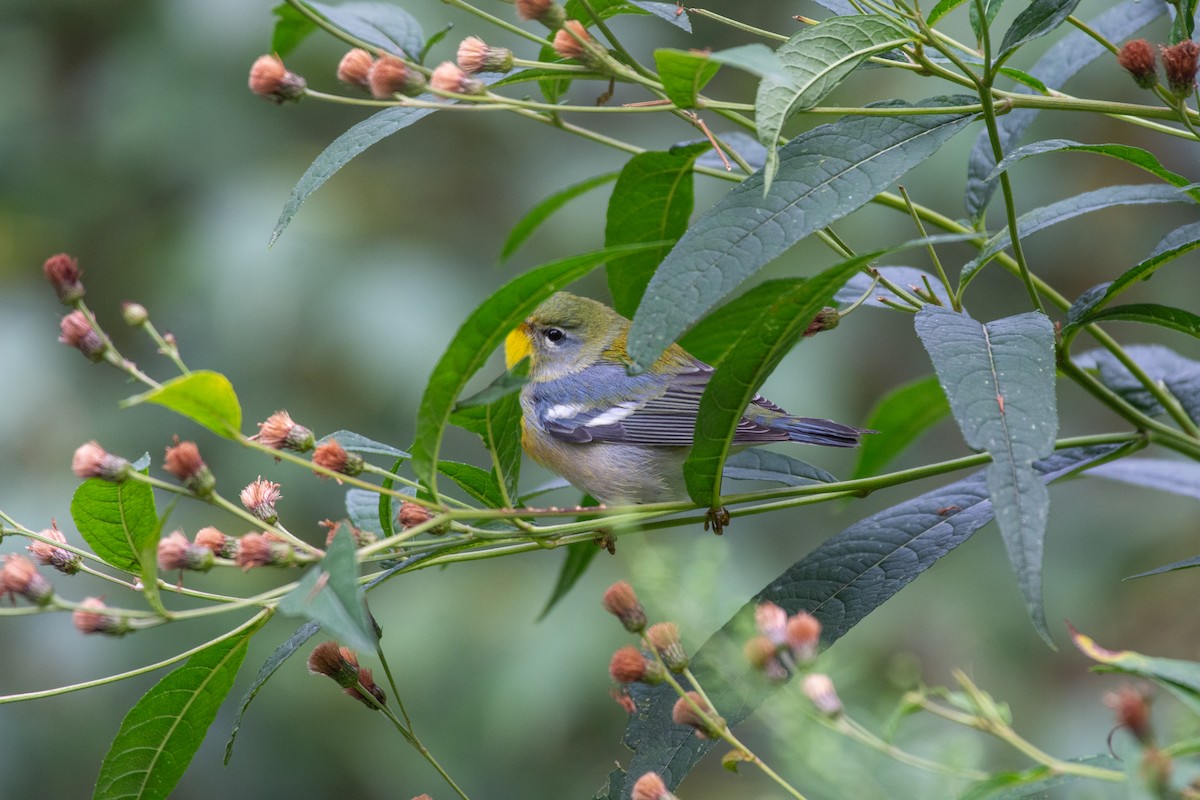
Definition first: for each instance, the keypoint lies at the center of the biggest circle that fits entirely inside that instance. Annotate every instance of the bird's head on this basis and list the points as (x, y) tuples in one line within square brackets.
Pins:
[(565, 334)]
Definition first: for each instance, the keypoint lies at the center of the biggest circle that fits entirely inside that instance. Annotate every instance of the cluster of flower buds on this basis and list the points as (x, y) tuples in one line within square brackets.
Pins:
[(547, 12), (92, 617), (63, 272), (360, 537), (93, 461), (630, 665), (77, 331), (651, 787), (51, 555), (183, 460), (270, 79), (264, 549), (573, 41), (1180, 62), (335, 458), (259, 497), (819, 689), (826, 320), (281, 432), (222, 546), (782, 642), (694, 711), (19, 576), (341, 664), (450, 78), (621, 601), (175, 552), (391, 75), (475, 55)]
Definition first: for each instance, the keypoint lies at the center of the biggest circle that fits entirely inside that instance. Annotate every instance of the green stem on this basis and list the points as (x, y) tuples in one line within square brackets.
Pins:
[(737, 25)]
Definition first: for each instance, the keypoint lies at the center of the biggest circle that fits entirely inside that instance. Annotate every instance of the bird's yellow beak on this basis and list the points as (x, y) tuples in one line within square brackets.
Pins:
[(518, 345)]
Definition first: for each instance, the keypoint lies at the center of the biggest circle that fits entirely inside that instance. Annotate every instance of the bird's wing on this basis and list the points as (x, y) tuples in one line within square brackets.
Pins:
[(638, 409)]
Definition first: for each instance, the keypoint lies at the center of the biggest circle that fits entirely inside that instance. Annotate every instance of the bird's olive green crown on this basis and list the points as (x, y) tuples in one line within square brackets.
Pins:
[(564, 334)]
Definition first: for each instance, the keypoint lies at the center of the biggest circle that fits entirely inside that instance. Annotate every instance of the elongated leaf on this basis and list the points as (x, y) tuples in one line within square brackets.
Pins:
[(1181, 677), (909, 278), (1067, 56), (1177, 477), (273, 662), (386, 26), (339, 153), (999, 378), (757, 59), (480, 335), (763, 344), (203, 397), (1039, 18), (542, 75), (1179, 241), (475, 481), (545, 209), (652, 202), (328, 594), (358, 443), (711, 339), (291, 28), (684, 73), (117, 520), (1026, 79), (1032, 782), (757, 464), (163, 731), (1143, 159), (841, 582), (1176, 319), (1184, 24), (823, 175), (671, 12), (1187, 563), (508, 382), (942, 8), (815, 60), (1084, 203), (1180, 375), (990, 9), (900, 417)]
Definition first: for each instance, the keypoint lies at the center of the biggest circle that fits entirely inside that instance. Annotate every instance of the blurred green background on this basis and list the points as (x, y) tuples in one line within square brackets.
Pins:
[(128, 138)]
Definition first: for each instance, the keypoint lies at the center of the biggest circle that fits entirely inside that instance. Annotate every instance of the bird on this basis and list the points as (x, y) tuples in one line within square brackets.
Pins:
[(623, 438)]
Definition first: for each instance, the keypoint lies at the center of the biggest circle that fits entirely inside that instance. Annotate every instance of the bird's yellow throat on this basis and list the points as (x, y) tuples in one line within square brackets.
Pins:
[(517, 346)]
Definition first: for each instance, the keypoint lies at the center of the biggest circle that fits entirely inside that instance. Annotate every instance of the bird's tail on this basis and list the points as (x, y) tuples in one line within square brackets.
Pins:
[(826, 432)]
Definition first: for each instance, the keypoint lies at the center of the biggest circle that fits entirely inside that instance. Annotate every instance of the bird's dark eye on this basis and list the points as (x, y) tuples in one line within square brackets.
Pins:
[(553, 335)]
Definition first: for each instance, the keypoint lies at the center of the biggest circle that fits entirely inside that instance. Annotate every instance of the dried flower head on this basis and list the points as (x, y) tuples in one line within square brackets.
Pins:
[(819, 689), (77, 331), (621, 601), (259, 498), (19, 576), (1131, 706), (573, 41), (341, 664), (803, 636), (269, 78), (333, 457), (1180, 62), (358, 535), (91, 617), (664, 637), (134, 314), (389, 75), (762, 654), (63, 273), (474, 55), (281, 432), (546, 12), (48, 555), (447, 77), (175, 552), (263, 550), (651, 787), (354, 67), (771, 622), (826, 320), (630, 665), (707, 724), (413, 514), (220, 544), (93, 461), (183, 460), (1137, 58)]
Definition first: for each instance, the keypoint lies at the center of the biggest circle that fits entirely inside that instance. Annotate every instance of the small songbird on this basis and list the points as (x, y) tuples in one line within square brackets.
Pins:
[(623, 438)]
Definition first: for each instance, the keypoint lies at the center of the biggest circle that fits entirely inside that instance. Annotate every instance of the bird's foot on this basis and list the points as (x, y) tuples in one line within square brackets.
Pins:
[(718, 518)]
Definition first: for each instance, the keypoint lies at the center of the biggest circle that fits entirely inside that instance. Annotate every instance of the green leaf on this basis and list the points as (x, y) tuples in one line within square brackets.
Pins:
[(579, 558), (652, 202), (1181, 376), (757, 59), (358, 443), (1175, 319), (840, 582), (509, 382), (1181, 677), (1177, 477), (163, 731), (1073, 51), (711, 339), (999, 378), (433, 40), (328, 594), (757, 464), (383, 25), (1025, 78), (1182, 240), (204, 397), (273, 662), (117, 520), (763, 344), (1033, 221), (545, 209), (554, 86), (684, 73), (535, 74), (671, 12), (1034, 781), (1039, 18), (824, 174), (477, 482), (1184, 24), (339, 153), (479, 336), (1136, 156), (991, 9), (942, 8), (362, 508), (900, 417), (815, 60), (291, 28)]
